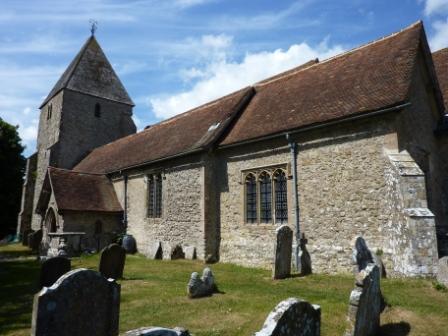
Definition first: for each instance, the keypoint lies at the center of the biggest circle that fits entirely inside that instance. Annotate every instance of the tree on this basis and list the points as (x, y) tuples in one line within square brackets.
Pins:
[(12, 167)]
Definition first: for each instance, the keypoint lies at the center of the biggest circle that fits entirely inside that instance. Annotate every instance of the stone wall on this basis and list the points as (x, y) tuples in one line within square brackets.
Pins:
[(26, 204), (342, 186), (182, 220)]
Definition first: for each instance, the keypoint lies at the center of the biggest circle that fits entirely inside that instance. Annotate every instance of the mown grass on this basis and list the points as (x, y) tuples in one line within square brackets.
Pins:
[(154, 293)]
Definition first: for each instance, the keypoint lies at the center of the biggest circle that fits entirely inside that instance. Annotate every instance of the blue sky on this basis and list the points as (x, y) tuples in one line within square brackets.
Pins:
[(173, 55)]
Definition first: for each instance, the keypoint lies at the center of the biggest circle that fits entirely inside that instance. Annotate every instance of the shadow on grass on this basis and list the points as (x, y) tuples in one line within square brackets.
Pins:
[(395, 329), (18, 284)]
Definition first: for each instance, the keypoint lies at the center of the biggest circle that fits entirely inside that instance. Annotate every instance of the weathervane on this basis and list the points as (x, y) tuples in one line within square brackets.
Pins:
[(93, 26)]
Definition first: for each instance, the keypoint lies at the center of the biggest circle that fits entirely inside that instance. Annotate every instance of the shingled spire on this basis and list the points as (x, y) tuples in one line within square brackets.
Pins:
[(90, 72)]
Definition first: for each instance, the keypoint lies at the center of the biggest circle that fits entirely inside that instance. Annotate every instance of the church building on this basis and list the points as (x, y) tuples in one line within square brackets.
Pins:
[(354, 145)]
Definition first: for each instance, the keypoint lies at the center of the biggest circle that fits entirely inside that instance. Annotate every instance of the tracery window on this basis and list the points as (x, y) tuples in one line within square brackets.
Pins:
[(155, 196), (251, 198), (281, 197), (265, 198), (266, 195)]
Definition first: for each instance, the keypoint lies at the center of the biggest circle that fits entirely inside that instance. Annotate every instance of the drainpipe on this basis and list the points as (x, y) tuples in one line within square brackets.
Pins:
[(293, 148), (125, 213)]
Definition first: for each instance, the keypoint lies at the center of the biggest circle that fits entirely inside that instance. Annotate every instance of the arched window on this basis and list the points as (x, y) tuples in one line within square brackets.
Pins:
[(155, 195), (98, 227), (251, 199), (97, 110), (50, 221), (265, 198), (281, 200)]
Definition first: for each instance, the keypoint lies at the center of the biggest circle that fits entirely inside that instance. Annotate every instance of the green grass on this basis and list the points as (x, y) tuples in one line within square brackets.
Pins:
[(154, 293)]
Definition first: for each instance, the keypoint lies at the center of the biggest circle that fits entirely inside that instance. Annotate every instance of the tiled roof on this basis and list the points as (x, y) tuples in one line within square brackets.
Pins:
[(365, 79), (90, 72), (190, 131), (83, 192), (440, 59)]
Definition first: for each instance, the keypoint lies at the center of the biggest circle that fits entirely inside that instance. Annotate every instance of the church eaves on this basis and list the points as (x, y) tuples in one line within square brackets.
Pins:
[(91, 73)]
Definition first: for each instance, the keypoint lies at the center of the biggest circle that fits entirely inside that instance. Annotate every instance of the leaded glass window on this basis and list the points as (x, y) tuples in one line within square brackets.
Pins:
[(251, 199), (155, 196), (265, 198), (281, 201)]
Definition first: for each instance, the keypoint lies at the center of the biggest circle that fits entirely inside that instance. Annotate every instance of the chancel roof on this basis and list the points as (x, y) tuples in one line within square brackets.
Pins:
[(369, 78), (90, 72), (440, 59), (79, 191)]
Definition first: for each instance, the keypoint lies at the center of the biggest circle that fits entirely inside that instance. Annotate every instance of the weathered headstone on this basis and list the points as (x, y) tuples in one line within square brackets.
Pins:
[(177, 253), (190, 252), (155, 250), (81, 302), (282, 253), (112, 261), (305, 258), (129, 244), (34, 239), (442, 274), (292, 317), (157, 331), (362, 256), (199, 287), (365, 304), (52, 269)]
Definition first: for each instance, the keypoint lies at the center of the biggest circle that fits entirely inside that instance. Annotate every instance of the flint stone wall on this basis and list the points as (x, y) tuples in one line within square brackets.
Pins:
[(81, 302), (292, 317)]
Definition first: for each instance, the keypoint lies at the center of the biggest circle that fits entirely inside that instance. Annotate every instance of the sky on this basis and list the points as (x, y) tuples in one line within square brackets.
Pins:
[(173, 55)]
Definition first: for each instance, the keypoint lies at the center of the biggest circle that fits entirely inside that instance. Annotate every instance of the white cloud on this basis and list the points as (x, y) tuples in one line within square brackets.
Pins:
[(436, 7), (221, 76), (191, 3), (439, 39)]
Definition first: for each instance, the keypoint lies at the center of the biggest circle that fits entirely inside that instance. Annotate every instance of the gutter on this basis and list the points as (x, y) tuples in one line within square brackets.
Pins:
[(321, 125)]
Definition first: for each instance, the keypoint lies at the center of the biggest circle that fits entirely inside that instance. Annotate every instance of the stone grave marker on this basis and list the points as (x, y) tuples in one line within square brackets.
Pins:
[(129, 244), (200, 287), (25, 235), (442, 274), (366, 303), (305, 258), (177, 253), (362, 256), (52, 269), (292, 317), (190, 252), (112, 261), (158, 331), (282, 253), (81, 302), (155, 250), (34, 239)]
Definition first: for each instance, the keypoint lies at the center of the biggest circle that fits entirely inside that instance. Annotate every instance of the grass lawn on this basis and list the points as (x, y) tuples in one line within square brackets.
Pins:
[(154, 293)]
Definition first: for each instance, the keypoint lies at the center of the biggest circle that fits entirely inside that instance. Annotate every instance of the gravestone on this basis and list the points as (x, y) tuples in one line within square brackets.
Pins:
[(442, 274), (52, 269), (177, 253), (282, 253), (34, 239), (155, 250), (200, 287), (158, 331), (366, 303), (305, 258), (129, 244), (361, 254), (81, 302), (25, 235), (190, 252), (292, 317), (112, 261)]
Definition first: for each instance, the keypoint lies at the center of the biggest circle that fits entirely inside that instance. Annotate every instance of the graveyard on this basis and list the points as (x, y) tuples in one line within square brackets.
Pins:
[(153, 293)]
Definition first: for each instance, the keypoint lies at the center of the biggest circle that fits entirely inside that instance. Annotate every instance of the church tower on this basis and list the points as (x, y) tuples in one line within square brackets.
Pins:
[(87, 108)]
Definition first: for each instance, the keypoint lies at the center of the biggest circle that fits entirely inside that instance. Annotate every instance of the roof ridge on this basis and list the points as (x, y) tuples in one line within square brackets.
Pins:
[(440, 50), (362, 46), (74, 171)]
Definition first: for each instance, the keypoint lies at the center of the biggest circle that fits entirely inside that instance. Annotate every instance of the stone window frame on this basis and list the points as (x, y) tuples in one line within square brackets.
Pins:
[(49, 111), (154, 195), (271, 170)]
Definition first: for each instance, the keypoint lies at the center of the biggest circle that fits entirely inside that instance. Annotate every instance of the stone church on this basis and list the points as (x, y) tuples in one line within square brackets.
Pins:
[(356, 144)]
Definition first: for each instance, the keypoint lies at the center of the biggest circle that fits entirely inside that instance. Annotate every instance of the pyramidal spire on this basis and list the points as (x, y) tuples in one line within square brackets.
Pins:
[(90, 72)]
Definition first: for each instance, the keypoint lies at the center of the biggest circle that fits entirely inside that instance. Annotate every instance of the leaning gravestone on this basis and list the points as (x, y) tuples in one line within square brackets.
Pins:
[(157, 331), (112, 261), (282, 250), (52, 269), (292, 317), (442, 274), (190, 252), (177, 253), (361, 254), (155, 250), (200, 287), (365, 303), (81, 302)]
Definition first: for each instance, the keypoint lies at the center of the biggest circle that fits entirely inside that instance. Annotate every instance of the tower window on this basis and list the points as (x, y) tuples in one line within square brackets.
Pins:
[(49, 111), (97, 110), (154, 196)]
